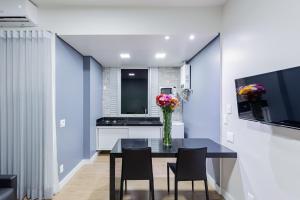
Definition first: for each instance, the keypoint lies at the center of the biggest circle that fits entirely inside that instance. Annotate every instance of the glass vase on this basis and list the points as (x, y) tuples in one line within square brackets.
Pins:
[(167, 140)]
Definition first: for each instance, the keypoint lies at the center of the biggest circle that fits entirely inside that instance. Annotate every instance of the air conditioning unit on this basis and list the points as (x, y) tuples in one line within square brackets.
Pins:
[(18, 13)]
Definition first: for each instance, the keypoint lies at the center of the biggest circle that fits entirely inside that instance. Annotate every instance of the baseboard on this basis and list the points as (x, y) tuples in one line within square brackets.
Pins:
[(218, 189), (213, 183), (68, 177), (91, 160), (226, 195)]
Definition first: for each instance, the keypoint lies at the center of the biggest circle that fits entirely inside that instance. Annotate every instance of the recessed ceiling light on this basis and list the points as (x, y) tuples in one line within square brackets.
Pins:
[(160, 55), (167, 37), (125, 55), (131, 74), (192, 37)]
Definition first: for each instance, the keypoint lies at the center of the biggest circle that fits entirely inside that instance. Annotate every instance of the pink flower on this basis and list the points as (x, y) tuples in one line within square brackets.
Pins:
[(167, 101)]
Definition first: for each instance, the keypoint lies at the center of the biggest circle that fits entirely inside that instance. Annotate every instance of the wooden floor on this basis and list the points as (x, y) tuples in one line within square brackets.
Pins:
[(92, 183)]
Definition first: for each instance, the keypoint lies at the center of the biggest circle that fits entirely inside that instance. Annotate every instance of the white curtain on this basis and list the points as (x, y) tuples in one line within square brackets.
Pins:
[(27, 134)]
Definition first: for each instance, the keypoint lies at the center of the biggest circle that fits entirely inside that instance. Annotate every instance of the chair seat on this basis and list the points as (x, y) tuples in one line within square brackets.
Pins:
[(6, 194), (172, 166)]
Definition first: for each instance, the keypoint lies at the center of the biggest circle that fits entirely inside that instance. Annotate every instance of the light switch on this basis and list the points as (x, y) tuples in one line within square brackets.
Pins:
[(230, 137), (225, 119), (62, 123), (61, 169), (229, 109)]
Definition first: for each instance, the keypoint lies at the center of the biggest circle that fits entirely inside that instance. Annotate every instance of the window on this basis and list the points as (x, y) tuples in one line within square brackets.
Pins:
[(134, 91)]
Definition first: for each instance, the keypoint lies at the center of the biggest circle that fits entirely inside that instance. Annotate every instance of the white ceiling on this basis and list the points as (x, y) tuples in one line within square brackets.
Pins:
[(130, 3), (106, 49)]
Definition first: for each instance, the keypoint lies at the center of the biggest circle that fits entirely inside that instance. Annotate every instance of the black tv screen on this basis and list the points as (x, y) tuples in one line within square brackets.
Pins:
[(272, 98)]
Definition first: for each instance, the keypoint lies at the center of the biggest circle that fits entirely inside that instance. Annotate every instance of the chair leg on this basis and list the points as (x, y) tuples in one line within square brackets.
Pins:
[(192, 186), (121, 189), (152, 189), (176, 190), (168, 176), (206, 189), (125, 186)]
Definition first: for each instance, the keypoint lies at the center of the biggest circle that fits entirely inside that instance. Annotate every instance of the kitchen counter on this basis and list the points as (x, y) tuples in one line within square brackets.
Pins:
[(129, 121), (110, 129)]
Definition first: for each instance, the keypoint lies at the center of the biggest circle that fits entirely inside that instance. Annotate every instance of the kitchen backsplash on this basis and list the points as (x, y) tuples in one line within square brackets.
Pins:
[(160, 77)]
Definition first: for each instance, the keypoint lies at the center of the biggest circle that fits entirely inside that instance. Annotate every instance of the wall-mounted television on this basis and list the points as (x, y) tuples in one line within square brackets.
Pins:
[(271, 98)]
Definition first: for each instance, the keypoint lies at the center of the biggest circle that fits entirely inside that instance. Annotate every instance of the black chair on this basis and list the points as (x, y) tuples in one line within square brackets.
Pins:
[(8, 187), (190, 166), (137, 165)]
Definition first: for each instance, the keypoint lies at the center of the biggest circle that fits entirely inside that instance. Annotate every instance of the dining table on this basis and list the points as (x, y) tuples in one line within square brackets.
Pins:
[(158, 150)]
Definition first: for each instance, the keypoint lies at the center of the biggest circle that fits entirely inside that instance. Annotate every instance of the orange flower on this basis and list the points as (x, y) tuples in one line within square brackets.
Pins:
[(174, 103), (252, 89)]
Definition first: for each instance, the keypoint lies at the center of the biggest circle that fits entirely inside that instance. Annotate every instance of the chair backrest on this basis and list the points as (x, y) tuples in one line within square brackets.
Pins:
[(137, 164), (191, 164)]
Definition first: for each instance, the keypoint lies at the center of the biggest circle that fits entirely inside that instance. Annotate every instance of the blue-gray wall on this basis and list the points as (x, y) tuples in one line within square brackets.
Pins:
[(96, 100), (201, 115), (78, 100), (86, 107), (69, 106), (92, 103)]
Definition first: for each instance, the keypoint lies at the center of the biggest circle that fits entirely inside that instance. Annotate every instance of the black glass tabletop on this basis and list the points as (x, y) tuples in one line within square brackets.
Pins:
[(214, 150)]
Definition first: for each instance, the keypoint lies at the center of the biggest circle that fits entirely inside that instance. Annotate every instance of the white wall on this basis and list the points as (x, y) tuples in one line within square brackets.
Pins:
[(259, 36), (89, 21)]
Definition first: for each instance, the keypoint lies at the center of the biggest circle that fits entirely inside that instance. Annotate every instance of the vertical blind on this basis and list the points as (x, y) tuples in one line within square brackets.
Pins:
[(27, 135)]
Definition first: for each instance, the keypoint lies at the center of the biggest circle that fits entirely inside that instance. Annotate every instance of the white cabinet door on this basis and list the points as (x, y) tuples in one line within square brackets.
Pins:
[(145, 132), (177, 129), (107, 137)]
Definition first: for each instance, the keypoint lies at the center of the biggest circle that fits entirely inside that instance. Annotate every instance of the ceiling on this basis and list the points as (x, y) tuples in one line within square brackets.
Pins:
[(129, 3), (106, 49)]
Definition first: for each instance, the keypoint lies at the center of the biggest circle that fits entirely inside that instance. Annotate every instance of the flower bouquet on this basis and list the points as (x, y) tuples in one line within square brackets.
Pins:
[(252, 91), (168, 104)]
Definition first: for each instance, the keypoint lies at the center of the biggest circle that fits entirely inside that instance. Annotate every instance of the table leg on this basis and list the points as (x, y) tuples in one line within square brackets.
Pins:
[(112, 177)]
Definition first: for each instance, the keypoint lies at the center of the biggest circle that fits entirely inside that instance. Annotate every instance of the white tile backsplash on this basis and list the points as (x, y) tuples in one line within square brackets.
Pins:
[(170, 77), (159, 77), (110, 92)]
